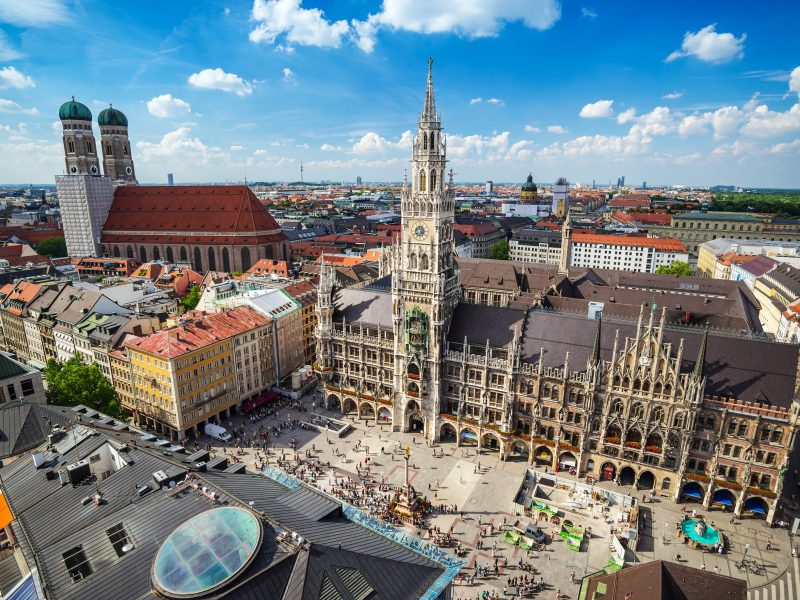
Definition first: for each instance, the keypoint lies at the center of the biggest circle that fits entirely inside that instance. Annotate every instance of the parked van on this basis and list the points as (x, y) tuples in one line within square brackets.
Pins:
[(536, 533), (217, 432)]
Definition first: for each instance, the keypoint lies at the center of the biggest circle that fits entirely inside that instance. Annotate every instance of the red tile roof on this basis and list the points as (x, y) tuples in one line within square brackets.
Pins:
[(199, 332), (269, 266), (470, 230), (662, 244), (174, 211)]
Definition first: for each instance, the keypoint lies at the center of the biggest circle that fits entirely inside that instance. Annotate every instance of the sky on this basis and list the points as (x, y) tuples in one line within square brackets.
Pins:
[(679, 93)]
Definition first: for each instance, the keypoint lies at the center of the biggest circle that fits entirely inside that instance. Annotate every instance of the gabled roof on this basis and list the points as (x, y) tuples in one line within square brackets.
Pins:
[(23, 426)]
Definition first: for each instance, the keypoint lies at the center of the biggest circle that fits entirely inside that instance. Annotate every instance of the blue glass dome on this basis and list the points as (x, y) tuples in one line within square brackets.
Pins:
[(206, 552)]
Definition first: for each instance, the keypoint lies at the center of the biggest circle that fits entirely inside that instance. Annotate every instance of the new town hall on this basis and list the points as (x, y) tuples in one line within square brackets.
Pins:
[(646, 380)]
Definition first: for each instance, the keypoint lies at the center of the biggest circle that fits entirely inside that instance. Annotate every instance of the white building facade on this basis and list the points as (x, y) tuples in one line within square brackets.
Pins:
[(638, 254)]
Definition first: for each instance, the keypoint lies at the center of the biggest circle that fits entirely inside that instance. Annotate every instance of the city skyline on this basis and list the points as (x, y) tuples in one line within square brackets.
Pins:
[(227, 91)]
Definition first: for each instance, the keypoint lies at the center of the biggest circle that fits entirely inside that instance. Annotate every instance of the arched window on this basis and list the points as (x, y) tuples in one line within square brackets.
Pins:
[(646, 386), (657, 416), (433, 180), (732, 427), (71, 146), (184, 256), (657, 388), (666, 483), (554, 392), (668, 390), (170, 255), (89, 147), (412, 261), (142, 254), (424, 141), (742, 431), (765, 433), (129, 252), (617, 407), (156, 253), (617, 381), (226, 261), (108, 149), (422, 181), (268, 252), (679, 420), (125, 149), (637, 385), (423, 262), (212, 259), (245, 259), (637, 411), (116, 251), (197, 264)]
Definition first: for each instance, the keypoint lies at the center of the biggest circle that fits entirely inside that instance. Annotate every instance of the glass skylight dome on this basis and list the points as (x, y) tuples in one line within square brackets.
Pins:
[(206, 552)]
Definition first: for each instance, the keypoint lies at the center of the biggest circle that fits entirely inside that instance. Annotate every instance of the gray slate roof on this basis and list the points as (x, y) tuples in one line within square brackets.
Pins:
[(366, 306), (24, 426)]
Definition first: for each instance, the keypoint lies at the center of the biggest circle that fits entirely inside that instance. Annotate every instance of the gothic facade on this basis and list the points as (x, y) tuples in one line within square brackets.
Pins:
[(690, 413)]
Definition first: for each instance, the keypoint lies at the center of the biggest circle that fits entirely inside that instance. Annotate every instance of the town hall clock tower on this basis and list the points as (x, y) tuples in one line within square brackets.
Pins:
[(425, 284)]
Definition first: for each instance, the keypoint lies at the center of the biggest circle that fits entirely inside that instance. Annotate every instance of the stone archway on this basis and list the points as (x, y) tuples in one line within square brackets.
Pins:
[(333, 401), (468, 437), (384, 415), (519, 451), (608, 471), (543, 456), (646, 481), (416, 423), (490, 442), (366, 411), (627, 476), (567, 461), (348, 406), (447, 433), (723, 498), (756, 507), (692, 492)]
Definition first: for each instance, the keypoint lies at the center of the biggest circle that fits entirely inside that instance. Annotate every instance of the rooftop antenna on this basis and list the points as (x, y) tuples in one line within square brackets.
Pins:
[(301, 171)]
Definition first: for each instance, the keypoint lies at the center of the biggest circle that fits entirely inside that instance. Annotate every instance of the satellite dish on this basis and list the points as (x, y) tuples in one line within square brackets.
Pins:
[(127, 547)]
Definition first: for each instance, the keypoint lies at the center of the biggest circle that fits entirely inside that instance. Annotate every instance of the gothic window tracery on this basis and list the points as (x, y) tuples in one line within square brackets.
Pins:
[(422, 182), (637, 411)]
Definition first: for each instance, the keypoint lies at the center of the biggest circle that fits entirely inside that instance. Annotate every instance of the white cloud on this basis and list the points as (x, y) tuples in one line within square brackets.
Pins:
[(726, 121), (175, 144), (688, 159), (237, 148), (9, 106), (470, 18), (495, 101), (11, 78), (7, 51), (764, 123), (304, 26), (57, 126), (588, 13), (167, 106), (284, 49), (328, 148), (217, 79), (737, 148), (373, 143), (598, 110), (556, 129), (477, 100), (794, 81), (226, 11), (33, 13), (710, 46), (793, 146), (658, 121), (532, 129), (288, 74), (626, 115), (693, 125), (672, 96)]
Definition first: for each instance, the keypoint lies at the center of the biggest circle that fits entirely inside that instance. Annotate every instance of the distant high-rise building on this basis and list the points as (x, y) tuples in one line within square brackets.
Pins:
[(170, 179), (358, 180), (301, 171), (644, 185), (489, 187), (622, 181), (593, 185), (83, 194)]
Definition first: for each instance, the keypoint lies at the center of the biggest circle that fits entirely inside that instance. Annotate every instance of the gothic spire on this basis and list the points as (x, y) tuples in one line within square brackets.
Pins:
[(699, 364), (597, 335), (429, 109)]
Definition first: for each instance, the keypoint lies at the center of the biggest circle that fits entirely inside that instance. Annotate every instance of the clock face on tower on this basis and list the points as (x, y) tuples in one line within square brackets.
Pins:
[(419, 231)]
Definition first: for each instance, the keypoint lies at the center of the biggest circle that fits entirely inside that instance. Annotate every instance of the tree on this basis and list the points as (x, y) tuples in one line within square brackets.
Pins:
[(54, 246), (500, 251), (678, 267), (191, 299), (74, 382)]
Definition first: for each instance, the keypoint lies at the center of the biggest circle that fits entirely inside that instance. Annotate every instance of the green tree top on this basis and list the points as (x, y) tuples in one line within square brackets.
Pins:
[(74, 382), (678, 267), (54, 246), (500, 251), (191, 299)]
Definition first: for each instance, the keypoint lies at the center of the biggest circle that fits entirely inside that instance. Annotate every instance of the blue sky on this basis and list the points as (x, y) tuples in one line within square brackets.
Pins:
[(668, 92)]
